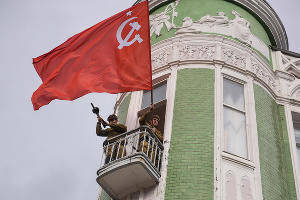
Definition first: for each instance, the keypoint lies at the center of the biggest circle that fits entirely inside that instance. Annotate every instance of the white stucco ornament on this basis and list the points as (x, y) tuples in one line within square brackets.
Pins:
[(166, 18), (238, 28)]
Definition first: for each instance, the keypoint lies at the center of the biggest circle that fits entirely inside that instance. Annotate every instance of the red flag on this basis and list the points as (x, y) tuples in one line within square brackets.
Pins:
[(112, 56)]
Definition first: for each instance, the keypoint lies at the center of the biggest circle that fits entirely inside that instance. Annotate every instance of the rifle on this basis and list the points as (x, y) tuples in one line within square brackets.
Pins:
[(96, 111)]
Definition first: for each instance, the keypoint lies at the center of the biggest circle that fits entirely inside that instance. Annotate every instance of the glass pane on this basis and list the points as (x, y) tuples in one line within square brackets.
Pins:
[(235, 132), (297, 135), (297, 132), (233, 94), (159, 94)]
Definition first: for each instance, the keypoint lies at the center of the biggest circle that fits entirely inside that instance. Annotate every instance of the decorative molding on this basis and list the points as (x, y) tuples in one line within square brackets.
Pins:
[(215, 49), (264, 75), (233, 57), (196, 52), (240, 161), (238, 28), (161, 58), (230, 186), (263, 12), (291, 65), (157, 21), (289, 74), (246, 191)]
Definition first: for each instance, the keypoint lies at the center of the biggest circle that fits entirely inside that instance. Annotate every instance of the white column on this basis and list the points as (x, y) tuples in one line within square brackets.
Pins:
[(133, 109), (170, 95), (218, 129)]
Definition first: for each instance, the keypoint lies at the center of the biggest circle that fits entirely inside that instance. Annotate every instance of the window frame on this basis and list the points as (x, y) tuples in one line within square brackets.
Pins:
[(156, 85), (245, 111), (297, 144), (289, 110), (163, 103)]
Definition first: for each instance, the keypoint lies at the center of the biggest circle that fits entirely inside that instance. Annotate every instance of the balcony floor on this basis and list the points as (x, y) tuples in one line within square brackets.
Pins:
[(127, 175)]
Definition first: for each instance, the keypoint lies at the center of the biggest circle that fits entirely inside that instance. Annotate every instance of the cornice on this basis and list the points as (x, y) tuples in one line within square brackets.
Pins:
[(262, 10), (191, 49)]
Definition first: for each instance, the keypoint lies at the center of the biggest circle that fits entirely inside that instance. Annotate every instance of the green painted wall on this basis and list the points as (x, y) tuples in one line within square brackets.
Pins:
[(199, 8), (275, 159), (190, 165), (123, 109)]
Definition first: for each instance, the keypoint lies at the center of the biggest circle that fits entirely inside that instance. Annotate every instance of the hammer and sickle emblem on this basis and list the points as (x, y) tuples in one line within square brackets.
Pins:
[(125, 42)]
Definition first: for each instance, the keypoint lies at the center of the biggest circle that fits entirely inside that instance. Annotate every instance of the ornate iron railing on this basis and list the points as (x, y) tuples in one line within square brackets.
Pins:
[(138, 141)]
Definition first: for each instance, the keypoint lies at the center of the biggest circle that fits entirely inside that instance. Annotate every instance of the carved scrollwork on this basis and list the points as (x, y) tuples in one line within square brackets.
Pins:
[(230, 186), (246, 191), (189, 52), (161, 58), (233, 57), (264, 75)]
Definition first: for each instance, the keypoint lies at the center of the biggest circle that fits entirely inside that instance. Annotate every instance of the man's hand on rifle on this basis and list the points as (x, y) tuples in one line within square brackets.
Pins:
[(104, 123)]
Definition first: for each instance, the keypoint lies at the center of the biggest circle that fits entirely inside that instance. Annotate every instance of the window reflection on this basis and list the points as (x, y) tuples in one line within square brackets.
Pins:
[(233, 94), (159, 94), (234, 119)]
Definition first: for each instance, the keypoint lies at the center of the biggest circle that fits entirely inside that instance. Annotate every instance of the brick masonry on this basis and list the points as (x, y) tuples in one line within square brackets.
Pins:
[(275, 159), (190, 165)]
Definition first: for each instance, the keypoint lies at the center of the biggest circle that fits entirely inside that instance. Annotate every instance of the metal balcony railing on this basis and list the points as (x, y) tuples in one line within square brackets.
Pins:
[(138, 141)]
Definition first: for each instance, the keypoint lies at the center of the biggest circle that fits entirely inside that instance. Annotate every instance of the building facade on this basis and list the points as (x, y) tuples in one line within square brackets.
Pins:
[(227, 91)]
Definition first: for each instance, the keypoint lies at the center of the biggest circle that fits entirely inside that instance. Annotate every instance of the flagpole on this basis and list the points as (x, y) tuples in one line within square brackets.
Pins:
[(149, 51)]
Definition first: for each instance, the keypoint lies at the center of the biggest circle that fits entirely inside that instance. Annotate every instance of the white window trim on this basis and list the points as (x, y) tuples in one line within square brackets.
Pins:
[(252, 137), (248, 138)]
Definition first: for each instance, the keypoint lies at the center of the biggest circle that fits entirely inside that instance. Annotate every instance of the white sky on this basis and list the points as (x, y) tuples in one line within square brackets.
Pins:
[(54, 153)]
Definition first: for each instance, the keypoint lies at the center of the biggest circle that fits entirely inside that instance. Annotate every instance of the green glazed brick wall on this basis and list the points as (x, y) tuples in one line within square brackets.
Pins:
[(191, 156), (105, 196), (275, 159), (199, 8), (123, 109), (287, 155)]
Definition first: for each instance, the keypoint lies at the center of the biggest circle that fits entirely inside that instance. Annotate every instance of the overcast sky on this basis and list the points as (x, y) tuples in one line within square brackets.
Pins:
[(54, 153)]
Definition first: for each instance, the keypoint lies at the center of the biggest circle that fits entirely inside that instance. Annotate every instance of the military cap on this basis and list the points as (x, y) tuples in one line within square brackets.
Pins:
[(156, 117), (112, 117)]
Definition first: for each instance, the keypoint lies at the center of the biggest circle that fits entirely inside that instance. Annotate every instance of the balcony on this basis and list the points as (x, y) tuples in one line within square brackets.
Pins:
[(131, 162)]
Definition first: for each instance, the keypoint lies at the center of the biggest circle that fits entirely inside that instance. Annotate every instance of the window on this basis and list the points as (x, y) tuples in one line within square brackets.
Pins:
[(159, 101), (159, 94), (296, 122), (234, 119)]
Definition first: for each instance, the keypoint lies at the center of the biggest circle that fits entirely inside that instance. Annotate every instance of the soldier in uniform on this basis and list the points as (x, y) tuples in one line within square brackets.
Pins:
[(145, 144), (114, 130)]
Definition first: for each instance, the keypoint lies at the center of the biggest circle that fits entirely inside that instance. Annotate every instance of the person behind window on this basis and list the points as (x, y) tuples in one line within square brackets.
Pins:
[(114, 130)]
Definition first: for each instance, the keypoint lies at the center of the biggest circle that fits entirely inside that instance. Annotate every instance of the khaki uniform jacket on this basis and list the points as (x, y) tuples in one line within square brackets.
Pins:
[(143, 122), (114, 130)]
